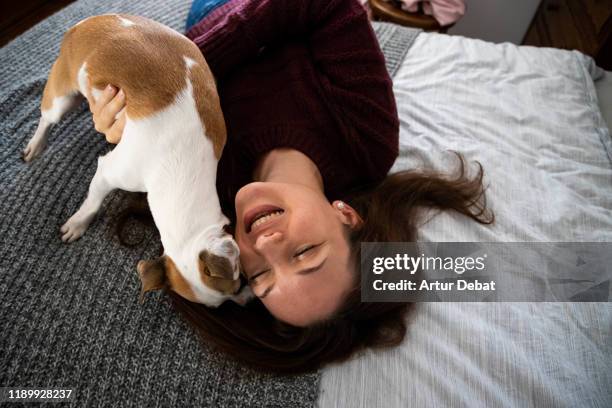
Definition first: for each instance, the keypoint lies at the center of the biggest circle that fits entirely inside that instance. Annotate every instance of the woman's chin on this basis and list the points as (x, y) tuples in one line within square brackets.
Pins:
[(248, 192), (254, 194)]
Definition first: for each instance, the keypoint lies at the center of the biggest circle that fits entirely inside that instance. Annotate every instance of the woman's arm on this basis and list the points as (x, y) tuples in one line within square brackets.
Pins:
[(344, 49), (237, 30)]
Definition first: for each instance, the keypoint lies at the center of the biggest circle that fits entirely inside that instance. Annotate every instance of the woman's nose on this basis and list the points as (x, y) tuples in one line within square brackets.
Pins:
[(267, 240)]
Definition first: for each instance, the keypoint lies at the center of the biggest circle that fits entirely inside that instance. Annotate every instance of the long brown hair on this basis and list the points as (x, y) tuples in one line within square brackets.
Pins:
[(391, 211)]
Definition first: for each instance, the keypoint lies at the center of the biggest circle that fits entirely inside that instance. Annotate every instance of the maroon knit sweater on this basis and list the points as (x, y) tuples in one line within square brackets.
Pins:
[(303, 74)]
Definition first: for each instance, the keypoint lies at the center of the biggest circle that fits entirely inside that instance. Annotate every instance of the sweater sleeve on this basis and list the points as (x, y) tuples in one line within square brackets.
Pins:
[(344, 49)]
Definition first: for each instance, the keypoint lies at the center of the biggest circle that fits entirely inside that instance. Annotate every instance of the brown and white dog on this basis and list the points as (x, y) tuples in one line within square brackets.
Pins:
[(173, 137)]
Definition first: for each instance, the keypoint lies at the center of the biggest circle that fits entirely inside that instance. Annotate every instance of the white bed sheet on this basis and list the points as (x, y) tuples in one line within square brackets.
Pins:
[(603, 86), (530, 116)]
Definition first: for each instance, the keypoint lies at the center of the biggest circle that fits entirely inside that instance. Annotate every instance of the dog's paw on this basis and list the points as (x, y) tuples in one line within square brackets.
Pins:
[(32, 150), (74, 228)]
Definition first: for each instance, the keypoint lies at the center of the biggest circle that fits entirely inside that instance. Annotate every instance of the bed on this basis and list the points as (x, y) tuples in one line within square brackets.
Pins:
[(70, 316), (532, 117)]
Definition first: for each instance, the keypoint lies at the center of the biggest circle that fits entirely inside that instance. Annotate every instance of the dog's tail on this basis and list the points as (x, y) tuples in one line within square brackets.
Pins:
[(132, 219)]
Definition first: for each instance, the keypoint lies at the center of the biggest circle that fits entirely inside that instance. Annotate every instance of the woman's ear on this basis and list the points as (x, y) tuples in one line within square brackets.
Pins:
[(348, 214)]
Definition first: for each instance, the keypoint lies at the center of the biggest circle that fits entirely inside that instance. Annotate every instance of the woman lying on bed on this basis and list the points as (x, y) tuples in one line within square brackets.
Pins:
[(312, 132)]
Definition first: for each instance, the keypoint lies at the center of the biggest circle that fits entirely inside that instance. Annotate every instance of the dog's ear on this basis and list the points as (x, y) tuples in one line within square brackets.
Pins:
[(217, 272), (215, 266), (152, 275)]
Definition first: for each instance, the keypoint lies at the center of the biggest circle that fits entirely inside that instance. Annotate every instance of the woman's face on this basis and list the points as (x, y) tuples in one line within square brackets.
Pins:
[(294, 250)]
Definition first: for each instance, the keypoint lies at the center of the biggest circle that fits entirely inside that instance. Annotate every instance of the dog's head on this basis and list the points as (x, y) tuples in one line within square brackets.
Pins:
[(209, 274)]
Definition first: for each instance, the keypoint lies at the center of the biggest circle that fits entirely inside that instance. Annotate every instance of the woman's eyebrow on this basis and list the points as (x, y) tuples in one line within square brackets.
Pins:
[(302, 272)]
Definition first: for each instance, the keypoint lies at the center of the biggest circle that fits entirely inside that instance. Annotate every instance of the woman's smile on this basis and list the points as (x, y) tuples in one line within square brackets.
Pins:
[(256, 217)]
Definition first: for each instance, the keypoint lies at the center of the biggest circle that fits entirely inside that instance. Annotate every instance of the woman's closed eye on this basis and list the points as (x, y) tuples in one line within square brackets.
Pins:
[(300, 254), (253, 279), (304, 250)]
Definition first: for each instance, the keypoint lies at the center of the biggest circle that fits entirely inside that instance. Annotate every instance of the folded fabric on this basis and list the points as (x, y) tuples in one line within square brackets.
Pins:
[(200, 9), (446, 12)]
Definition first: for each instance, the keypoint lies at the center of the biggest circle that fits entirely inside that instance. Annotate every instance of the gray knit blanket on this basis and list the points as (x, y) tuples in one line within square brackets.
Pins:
[(69, 314)]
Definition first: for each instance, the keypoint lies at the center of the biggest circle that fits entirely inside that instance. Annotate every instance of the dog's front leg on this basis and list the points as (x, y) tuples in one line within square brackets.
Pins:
[(99, 188)]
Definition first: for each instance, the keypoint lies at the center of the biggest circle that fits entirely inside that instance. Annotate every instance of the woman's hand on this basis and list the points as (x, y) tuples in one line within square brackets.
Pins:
[(109, 113)]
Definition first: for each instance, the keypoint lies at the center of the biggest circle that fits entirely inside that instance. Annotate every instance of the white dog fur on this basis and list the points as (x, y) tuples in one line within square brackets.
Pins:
[(166, 152)]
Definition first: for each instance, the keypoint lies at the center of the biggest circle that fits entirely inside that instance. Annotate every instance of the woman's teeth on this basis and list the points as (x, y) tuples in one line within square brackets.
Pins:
[(265, 218)]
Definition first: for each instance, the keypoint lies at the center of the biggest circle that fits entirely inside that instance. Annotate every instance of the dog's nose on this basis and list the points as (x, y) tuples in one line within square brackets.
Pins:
[(237, 287)]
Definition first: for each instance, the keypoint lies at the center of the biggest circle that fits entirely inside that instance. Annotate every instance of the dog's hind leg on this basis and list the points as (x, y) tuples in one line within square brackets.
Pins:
[(59, 97)]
